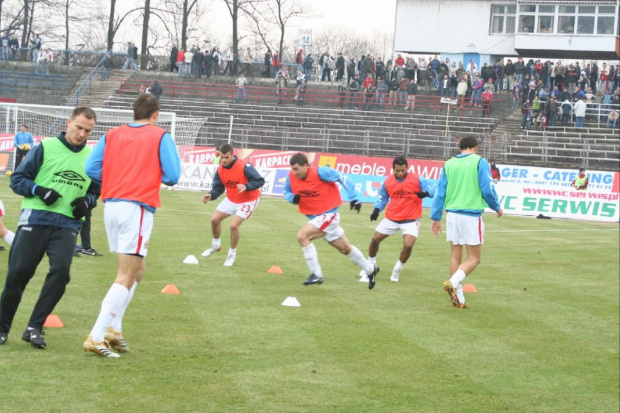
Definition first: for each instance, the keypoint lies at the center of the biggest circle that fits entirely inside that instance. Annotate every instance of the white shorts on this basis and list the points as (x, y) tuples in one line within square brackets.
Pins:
[(389, 227), (464, 229), (330, 225), (243, 210), (1, 208), (128, 226)]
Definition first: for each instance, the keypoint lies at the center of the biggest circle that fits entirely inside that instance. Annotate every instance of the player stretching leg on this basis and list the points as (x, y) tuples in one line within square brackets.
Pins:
[(242, 183), (402, 192), (464, 185), (315, 192)]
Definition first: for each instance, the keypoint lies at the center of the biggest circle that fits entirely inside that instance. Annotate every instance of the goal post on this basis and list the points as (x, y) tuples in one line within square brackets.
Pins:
[(48, 121)]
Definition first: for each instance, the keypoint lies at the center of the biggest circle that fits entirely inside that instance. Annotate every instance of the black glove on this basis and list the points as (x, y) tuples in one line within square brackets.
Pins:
[(374, 215), (47, 195), (81, 207), (423, 194), (356, 205), (296, 199)]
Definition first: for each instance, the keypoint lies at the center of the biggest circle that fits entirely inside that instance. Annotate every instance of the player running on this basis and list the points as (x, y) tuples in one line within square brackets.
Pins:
[(402, 192), (242, 184), (315, 192), (464, 185)]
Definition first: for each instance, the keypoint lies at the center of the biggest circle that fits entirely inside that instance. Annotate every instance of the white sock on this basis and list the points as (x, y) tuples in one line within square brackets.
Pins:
[(312, 260), (398, 266), (232, 251), (111, 305), (9, 237), (372, 259), (117, 323), (457, 278), (358, 259), (459, 294), (216, 243)]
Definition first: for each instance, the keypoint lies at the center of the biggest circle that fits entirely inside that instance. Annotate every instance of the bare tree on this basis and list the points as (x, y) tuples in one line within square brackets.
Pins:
[(145, 33), (235, 8), (115, 22), (269, 16)]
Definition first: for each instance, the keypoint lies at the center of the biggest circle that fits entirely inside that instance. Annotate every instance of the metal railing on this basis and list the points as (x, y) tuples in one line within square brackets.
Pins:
[(87, 82)]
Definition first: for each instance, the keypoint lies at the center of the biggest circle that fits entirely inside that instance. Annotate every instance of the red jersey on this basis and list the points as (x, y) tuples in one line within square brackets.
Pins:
[(131, 169), (404, 203), (317, 196), (232, 176)]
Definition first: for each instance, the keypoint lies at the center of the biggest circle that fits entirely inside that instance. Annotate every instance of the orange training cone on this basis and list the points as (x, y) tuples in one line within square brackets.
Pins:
[(53, 320), (275, 270), (170, 289), (469, 288)]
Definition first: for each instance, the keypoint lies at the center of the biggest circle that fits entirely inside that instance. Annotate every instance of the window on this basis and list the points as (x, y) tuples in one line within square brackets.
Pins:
[(546, 9), (566, 24), (606, 10), (587, 9), (545, 24), (605, 25), (567, 9), (527, 8), (526, 23), (503, 19), (585, 25)]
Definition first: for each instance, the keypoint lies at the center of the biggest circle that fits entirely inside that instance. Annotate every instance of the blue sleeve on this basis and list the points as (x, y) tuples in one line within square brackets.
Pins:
[(382, 199), (169, 161), (256, 179), (428, 186), (94, 162), (217, 187), (288, 193), (30, 139), (22, 180), (440, 197), (332, 175), (486, 185), (15, 140)]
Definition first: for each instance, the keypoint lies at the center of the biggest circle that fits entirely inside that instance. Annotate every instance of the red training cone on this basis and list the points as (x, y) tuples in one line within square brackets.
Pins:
[(469, 288), (53, 320), (275, 270), (170, 289)]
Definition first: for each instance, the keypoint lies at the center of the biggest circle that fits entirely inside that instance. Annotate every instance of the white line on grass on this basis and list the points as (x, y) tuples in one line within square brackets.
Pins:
[(555, 230)]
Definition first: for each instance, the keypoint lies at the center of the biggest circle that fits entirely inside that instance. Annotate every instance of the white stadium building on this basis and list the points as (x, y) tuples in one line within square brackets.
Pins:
[(486, 30)]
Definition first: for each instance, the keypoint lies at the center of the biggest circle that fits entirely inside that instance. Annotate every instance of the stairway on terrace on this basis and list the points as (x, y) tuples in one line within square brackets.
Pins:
[(372, 133), (97, 92)]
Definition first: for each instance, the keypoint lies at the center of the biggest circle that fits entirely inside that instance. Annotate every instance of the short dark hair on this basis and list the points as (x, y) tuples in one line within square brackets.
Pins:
[(24, 125), (299, 159), (144, 106), (468, 142), (85, 111), (226, 148), (399, 160)]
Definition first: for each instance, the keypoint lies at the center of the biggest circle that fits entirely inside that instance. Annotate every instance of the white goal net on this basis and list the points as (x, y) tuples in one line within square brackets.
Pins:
[(48, 121)]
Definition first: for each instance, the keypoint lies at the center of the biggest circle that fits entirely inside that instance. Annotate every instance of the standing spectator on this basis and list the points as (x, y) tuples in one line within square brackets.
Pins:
[(35, 46), (108, 65), (422, 71), (580, 113), (322, 210), (350, 70), (342, 93), (340, 62), (525, 113), (41, 62), (14, 46), (393, 90), (308, 67), (477, 87), (173, 57), (4, 46), (23, 142), (242, 184), (130, 192), (52, 210), (412, 91), (487, 98), (241, 82), (49, 62), (189, 62), (509, 75), (229, 61), (180, 62), (136, 56), (516, 95), (464, 186), (553, 111), (247, 61), (299, 59), (382, 91), (369, 91), (461, 90), (275, 59), (199, 60), (566, 109), (402, 194), (367, 66), (207, 63), (519, 70), (612, 119), (354, 88), (216, 60), (129, 62), (268, 57), (281, 84), (300, 95), (444, 86)]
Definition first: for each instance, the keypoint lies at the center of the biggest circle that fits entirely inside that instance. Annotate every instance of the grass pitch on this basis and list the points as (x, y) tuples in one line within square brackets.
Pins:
[(541, 333)]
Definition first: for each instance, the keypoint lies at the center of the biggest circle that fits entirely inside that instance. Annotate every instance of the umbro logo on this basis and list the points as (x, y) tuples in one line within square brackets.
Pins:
[(70, 176)]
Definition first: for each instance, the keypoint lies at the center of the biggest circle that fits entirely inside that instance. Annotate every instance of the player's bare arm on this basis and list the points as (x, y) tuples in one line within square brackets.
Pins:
[(206, 198)]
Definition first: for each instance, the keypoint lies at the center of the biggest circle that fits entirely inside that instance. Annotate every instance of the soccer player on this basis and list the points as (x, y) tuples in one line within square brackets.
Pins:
[(315, 192), (581, 182), (402, 192), (131, 162), (464, 185), (5, 234), (57, 193), (242, 184), (23, 142)]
